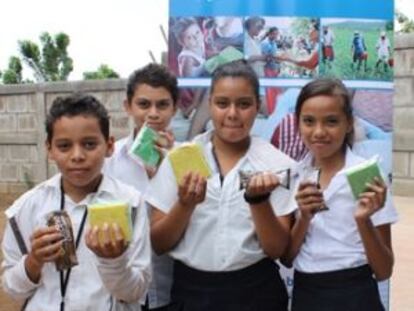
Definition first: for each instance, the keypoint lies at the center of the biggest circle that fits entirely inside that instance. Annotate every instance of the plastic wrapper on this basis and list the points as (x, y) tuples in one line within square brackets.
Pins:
[(284, 177), (61, 220)]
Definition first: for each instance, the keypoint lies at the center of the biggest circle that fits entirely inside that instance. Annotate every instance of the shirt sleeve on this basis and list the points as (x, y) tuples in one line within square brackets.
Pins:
[(127, 277), (162, 192), (15, 280), (386, 215)]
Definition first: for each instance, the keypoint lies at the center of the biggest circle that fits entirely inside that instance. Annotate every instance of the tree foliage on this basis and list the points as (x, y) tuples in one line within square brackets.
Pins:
[(406, 24), (13, 74), (50, 61), (103, 72)]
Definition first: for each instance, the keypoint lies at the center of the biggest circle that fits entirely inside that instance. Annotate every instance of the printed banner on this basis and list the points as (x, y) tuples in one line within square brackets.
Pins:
[(300, 40)]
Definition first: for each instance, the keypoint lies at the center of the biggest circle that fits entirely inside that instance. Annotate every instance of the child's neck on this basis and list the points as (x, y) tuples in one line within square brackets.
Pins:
[(329, 167), (78, 193), (229, 154)]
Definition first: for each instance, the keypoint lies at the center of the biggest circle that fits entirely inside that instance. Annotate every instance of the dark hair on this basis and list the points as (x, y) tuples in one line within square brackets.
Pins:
[(249, 22), (154, 75), (327, 87), (77, 104), (236, 69), (180, 25)]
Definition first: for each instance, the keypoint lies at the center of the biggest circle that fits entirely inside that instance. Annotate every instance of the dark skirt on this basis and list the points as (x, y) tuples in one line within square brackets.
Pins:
[(344, 290), (256, 288)]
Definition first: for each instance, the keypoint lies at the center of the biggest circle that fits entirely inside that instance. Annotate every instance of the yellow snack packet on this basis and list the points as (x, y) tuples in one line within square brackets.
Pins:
[(188, 157), (115, 212)]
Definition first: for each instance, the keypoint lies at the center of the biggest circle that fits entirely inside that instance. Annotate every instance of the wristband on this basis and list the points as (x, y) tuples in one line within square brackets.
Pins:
[(256, 199)]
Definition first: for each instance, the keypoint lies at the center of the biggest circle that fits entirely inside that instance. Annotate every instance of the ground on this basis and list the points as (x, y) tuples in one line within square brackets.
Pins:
[(402, 298)]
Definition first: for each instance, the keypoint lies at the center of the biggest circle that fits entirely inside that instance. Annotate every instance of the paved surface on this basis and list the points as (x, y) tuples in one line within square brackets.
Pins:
[(402, 283)]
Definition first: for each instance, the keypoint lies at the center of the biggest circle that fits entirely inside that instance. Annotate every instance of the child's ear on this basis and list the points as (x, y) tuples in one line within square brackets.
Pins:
[(110, 143), (127, 105), (48, 147)]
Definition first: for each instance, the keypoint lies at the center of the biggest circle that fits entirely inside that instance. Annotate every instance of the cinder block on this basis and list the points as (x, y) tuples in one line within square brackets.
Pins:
[(403, 187), (9, 172), (401, 164), (8, 123), (19, 153), (27, 123), (403, 118)]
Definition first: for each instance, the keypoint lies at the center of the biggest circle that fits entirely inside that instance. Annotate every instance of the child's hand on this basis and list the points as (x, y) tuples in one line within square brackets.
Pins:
[(192, 190), (309, 199), (371, 200), (46, 246), (262, 184), (165, 140), (107, 247)]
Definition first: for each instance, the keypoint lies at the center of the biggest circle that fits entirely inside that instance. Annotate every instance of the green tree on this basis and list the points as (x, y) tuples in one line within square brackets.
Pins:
[(406, 24), (51, 61), (103, 72), (13, 74)]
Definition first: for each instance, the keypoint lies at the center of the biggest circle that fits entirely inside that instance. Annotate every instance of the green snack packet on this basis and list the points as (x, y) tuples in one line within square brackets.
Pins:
[(227, 55), (143, 146), (359, 175)]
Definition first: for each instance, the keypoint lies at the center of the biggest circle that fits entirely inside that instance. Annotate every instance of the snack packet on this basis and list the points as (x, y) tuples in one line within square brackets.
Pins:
[(143, 146), (114, 212), (61, 220), (284, 177)]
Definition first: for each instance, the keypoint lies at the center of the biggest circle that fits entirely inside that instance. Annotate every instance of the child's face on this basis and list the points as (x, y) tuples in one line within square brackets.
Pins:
[(233, 109), (192, 38), (153, 105), (323, 126), (79, 148)]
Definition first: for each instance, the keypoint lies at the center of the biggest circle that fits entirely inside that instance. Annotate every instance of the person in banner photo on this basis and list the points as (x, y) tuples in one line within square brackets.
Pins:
[(383, 48), (328, 53), (192, 56), (340, 245), (252, 44), (103, 273), (151, 101), (359, 52), (225, 239)]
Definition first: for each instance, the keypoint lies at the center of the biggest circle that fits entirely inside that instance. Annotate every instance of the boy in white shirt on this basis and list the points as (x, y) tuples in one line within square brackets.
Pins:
[(109, 272), (383, 51), (152, 95)]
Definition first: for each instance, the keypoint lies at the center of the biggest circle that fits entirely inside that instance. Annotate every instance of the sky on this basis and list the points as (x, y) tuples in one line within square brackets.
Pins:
[(118, 33)]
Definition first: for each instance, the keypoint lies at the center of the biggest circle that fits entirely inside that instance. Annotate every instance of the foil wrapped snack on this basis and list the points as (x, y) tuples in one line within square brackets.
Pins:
[(61, 220), (284, 177)]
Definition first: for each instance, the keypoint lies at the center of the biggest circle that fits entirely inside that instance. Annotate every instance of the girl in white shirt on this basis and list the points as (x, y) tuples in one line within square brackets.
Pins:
[(338, 254), (224, 240)]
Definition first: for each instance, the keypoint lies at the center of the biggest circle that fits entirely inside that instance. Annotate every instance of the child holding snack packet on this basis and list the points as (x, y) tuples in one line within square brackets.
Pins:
[(223, 239), (102, 274), (339, 253), (152, 95)]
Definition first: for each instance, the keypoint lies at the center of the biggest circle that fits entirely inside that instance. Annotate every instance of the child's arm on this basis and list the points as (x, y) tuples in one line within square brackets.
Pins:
[(376, 240), (272, 231), (22, 272), (125, 271), (309, 200), (167, 229)]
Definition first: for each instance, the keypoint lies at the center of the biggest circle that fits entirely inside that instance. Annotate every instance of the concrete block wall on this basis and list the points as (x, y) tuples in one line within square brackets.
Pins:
[(403, 148), (23, 159)]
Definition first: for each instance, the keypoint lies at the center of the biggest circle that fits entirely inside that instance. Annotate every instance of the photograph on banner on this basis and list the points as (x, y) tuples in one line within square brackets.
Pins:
[(282, 47), (198, 45), (357, 49)]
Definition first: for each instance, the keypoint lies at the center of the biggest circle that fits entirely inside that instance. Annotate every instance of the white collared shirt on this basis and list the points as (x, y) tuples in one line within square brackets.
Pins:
[(94, 281), (121, 165), (132, 172), (221, 235), (333, 241)]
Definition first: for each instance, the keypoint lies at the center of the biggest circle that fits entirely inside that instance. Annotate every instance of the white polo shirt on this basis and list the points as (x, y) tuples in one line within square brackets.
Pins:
[(132, 171), (333, 241), (221, 235), (126, 168), (94, 281)]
